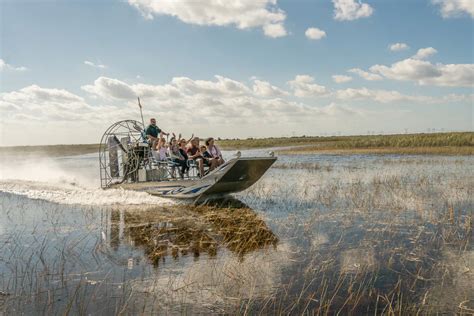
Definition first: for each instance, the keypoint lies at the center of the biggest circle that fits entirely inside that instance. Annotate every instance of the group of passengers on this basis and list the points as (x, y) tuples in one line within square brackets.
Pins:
[(182, 151)]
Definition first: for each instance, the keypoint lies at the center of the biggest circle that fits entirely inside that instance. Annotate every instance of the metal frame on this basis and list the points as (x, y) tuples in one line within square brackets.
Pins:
[(128, 169), (125, 128)]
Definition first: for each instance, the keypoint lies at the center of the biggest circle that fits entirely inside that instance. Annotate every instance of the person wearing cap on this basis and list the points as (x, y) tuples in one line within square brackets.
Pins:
[(214, 151), (152, 132), (194, 153)]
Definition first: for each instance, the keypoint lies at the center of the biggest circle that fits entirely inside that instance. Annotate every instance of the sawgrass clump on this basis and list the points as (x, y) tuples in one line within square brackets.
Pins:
[(209, 228)]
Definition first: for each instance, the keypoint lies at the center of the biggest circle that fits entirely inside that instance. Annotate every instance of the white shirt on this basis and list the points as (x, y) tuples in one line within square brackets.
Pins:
[(162, 153), (214, 151)]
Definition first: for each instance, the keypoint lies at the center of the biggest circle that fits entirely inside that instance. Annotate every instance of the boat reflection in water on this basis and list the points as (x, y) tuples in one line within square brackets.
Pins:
[(186, 230)]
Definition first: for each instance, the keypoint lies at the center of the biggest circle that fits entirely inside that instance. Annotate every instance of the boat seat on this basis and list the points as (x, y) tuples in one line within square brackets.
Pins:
[(172, 167), (169, 167), (163, 166), (193, 168)]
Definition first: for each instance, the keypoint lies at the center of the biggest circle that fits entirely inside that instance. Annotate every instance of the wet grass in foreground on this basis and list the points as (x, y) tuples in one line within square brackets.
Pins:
[(382, 238)]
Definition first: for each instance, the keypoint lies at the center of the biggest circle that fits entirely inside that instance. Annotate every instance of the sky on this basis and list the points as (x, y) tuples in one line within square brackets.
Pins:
[(234, 69)]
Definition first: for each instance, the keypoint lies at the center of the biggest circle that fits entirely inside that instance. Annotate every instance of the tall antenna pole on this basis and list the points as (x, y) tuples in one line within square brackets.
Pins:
[(141, 112)]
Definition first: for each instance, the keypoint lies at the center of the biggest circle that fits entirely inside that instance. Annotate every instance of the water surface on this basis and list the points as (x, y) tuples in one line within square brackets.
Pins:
[(318, 233)]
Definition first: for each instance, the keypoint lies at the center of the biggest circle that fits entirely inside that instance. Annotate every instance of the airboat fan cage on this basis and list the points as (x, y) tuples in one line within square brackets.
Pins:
[(122, 149)]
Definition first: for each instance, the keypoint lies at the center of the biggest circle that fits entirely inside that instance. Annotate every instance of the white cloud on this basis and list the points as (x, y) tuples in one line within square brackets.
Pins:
[(222, 100), (366, 75), (408, 69), (382, 96), (43, 95), (242, 14), (42, 104), (425, 73), (348, 10), (221, 107), (5, 66), (341, 78), (455, 8), (304, 86), (396, 47), (315, 33), (89, 63), (424, 53), (274, 30), (110, 89), (265, 89), (336, 110), (389, 96), (451, 75), (222, 86)]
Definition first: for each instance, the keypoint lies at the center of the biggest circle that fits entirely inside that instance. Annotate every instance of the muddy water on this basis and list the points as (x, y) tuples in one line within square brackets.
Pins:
[(317, 234)]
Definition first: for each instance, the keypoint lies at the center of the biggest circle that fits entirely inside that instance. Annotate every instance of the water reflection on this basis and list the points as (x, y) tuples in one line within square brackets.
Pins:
[(190, 230)]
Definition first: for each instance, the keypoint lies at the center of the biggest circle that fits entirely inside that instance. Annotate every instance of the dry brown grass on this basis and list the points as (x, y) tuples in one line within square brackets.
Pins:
[(454, 139), (451, 151)]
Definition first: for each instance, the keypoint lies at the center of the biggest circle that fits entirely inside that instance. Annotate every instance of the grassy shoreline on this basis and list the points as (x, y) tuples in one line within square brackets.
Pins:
[(460, 143), (448, 151)]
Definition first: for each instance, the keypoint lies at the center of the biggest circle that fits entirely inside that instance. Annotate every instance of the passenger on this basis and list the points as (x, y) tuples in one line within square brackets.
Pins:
[(204, 152), (195, 154), (153, 132), (214, 151), (182, 148), (177, 157), (181, 140), (208, 159), (162, 149)]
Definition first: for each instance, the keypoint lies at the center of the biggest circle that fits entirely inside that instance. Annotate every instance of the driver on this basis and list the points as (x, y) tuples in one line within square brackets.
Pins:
[(153, 132)]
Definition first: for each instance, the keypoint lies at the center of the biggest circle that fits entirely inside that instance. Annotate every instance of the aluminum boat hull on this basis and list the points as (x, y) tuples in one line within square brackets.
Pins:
[(234, 176)]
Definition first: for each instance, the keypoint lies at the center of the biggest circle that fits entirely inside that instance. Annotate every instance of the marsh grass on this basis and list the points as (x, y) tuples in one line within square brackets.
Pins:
[(382, 238), (307, 166), (239, 230), (386, 268), (458, 139), (446, 150), (379, 245)]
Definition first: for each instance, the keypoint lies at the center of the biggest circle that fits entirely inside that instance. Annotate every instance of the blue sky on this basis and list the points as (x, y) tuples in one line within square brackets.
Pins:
[(69, 69)]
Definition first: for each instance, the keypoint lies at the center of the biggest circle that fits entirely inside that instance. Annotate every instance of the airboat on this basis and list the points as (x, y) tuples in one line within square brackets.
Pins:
[(126, 162)]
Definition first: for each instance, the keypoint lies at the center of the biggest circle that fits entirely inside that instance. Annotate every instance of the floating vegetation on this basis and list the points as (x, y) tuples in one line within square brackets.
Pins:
[(239, 230)]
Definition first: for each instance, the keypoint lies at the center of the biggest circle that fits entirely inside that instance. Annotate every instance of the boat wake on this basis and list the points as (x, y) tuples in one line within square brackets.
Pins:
[(73, 194), (71, 181)]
